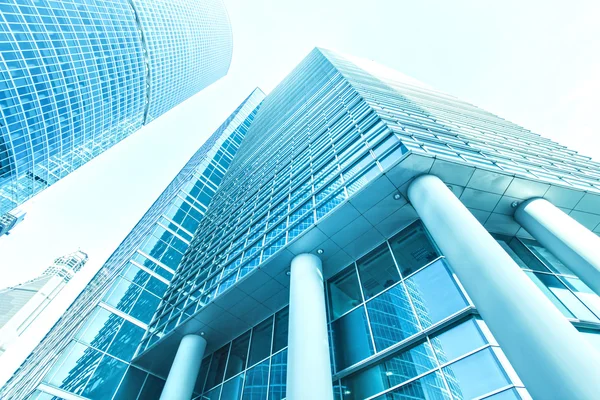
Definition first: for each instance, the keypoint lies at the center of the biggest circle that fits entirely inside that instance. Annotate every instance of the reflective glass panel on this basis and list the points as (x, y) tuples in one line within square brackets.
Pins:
[(413, 249), (280, 337), (392, 317), (351, 339), (212, 394), (549, 294), (202, 374), (105, 379), (547, 258), (457, 341), (525, 256), (152, 388), (584, 293), (99, 328), (344, 292), (377, 271), (434, 294), (238, 355), (260, 348), (217, 367), (430, 387), (277, 384), (126, 341), (255, 387), (475, 375), (510, 394), (131, 385), (389, 373), (232, 389), (72, 372)]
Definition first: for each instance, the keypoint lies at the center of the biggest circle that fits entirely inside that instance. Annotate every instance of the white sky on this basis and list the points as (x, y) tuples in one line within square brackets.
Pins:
[(535, 63)]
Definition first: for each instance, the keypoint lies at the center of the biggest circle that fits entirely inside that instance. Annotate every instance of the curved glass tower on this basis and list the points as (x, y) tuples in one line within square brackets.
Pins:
[(78, 76)]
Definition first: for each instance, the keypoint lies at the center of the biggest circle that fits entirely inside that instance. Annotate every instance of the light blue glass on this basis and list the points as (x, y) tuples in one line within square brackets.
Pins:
[(260, 347), (105, 379), (351, 340), (510, 394), (434, 294), (377, 271), (430, 387), (80, 76), (344, 292), (278, 378), (132, 383), (392, 317), (475, 375), (95, 330), (255, 386), (152, 388), (126, 341), (389, 373), (232, 389), (457, 341)]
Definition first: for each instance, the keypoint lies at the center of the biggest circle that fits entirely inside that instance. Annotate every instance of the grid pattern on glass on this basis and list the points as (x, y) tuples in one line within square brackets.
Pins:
[(459, 363), (135, 277), (188, 45), (565, 290), (77, 77), (249, 367), (370, 315), (329, 128)]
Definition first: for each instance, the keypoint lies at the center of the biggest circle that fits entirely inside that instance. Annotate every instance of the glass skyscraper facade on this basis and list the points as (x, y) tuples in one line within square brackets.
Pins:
[(88, 352), (78, 76), (385, 219)]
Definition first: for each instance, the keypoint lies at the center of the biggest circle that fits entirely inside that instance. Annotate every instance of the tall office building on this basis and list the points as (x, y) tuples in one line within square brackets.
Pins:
[(9, 220), (374, 238), (22, 304), (87, 353), (78, 76)]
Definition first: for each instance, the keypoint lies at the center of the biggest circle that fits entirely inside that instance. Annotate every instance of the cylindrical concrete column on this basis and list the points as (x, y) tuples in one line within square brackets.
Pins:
[(547, 352), (184, 371), (309, 367), (572, 243)]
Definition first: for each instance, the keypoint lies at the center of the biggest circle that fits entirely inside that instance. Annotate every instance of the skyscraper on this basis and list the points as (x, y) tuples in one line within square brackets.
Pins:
[(351, 239), (77, 77), (102, 329), (9, 220), (22, 304)]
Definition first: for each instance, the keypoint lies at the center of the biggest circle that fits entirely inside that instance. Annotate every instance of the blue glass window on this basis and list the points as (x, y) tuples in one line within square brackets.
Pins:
[(392, 317), (344, 292), (105, 379), (152, 388), (238, 355), (457, 341), (100, 328), (126, 341), (232, 389), (475, 375), (351, 339), (131, 385), (389, 373), (413, 249), (430, 387), (217, 367), (377, 271), (434, 294), (280, 336), (257, 377), (260, 348), (277, 384)]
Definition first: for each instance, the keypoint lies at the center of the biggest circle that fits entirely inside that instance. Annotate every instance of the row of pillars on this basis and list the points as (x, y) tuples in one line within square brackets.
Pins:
[(548, 353)]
